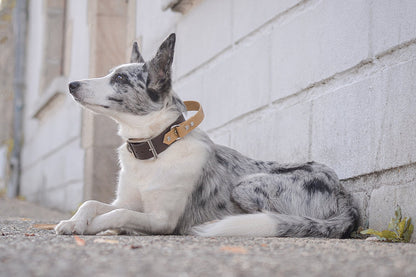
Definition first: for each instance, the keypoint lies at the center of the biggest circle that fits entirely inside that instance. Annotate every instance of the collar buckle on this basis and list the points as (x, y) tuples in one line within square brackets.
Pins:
[(171, 139), (152, 148)]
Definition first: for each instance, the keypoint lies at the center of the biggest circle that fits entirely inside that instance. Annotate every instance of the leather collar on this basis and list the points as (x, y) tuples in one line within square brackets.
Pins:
[(151, 148)]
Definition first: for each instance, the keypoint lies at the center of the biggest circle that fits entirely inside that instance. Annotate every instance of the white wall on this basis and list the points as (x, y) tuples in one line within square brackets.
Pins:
[(330, 80), (52, 157)]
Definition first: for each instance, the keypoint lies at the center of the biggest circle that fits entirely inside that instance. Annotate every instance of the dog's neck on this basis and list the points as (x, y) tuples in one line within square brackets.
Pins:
[(145, 127)]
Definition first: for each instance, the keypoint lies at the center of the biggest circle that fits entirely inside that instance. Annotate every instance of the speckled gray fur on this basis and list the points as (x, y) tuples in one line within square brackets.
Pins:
[(301, 199), (304, 199)]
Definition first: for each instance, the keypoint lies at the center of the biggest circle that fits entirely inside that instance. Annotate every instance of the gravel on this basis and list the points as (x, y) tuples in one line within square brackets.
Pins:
[(29, 251)]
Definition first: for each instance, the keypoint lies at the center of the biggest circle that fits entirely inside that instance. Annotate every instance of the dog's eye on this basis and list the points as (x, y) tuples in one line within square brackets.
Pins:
[(120, 78)]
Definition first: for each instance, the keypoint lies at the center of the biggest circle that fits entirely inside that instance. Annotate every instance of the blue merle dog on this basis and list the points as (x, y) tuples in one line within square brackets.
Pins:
[(195, 186)]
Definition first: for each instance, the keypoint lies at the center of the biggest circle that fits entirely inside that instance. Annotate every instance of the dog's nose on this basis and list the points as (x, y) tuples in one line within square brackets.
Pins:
[(73, 86)]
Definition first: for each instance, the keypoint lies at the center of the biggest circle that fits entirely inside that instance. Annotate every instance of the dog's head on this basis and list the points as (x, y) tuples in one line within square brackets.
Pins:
[(137, 88)]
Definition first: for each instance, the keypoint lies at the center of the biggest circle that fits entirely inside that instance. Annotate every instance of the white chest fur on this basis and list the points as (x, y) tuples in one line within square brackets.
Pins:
[(161, 186)]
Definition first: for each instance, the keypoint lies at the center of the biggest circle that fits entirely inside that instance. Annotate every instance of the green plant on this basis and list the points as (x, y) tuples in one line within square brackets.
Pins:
[(399, 229)]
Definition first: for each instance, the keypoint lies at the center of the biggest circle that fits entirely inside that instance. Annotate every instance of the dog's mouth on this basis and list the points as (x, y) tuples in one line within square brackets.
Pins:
[(76, 98), (90, 105), (87, 104)]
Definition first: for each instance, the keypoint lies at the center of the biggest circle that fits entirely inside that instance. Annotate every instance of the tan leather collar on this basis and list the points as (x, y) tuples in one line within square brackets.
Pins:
[(150, 148)]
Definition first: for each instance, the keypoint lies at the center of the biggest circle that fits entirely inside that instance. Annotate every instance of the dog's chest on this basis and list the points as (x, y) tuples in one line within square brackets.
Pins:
[(164, 183)]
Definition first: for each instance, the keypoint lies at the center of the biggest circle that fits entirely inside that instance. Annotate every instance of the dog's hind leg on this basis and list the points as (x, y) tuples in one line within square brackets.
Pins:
[(277, 207), (255, 195), (79, 222), (257, 192)]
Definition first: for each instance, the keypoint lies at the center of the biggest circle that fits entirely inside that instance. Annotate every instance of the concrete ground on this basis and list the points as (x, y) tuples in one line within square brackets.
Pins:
[(30, 250)]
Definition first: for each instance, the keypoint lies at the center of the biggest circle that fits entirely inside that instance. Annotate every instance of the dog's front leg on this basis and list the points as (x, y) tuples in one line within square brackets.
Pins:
[(128, 220), (79, 222)]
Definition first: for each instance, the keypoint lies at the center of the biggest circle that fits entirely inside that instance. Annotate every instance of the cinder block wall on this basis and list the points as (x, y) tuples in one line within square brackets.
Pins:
[(52, 156), (331, 81)]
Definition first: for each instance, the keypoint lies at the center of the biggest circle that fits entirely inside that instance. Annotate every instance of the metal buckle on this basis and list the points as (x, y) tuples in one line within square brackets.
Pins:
[(152, 148), (176, 132)]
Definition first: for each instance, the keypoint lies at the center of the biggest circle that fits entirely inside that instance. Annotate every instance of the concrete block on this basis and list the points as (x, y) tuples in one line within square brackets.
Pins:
[(346, 127), (153, 25), (276, 135), (393, 22), (54, 172), (248, 15), (361, 203), (54, 199), (237, 84), (202, 33), (80, 45), (191, 88), (52, 132), (111, 8), (221, 137), (57, 180), (73, 196), (101, 173), (67, 198), (31, 182), (398, 141), (384, 200), (362, 186), (35, 38), (105, 132), (108, 50), (324, 39), (72, 159)]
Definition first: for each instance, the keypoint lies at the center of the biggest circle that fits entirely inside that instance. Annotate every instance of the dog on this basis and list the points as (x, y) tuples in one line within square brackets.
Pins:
[(195, 187)]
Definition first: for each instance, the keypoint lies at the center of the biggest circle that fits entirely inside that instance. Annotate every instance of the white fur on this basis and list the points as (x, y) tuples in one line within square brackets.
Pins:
[(260, 224), (143, 127), (151, 194)]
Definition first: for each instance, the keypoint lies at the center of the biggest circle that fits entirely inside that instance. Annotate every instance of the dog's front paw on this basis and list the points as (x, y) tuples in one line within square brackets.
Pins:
[(69, 227)]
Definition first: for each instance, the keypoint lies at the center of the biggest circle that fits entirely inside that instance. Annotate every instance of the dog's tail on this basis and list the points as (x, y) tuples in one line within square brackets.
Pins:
[(280, 225)]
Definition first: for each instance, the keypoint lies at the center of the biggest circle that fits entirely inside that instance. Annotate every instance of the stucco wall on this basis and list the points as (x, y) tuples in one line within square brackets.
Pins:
[(331, 81)]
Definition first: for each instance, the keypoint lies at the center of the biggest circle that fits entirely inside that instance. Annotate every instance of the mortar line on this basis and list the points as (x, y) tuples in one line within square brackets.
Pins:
[(353, 178), (374, 174)]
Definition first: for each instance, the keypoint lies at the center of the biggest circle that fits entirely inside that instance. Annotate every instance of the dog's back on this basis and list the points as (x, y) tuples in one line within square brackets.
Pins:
[(259, 198)]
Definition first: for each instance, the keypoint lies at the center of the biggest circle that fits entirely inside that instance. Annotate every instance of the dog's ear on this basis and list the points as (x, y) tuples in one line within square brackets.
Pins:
[(136, 57), (159, 68), (162, 62)]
